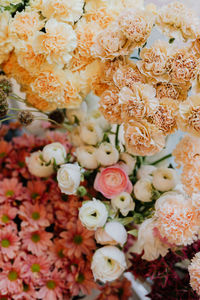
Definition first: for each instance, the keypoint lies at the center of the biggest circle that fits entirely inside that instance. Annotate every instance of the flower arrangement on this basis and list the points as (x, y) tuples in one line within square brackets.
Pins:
[(81, 206)]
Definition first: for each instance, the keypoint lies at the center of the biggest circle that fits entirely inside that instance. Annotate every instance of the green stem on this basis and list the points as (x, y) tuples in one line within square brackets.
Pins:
[(161, 159), (6, 119), (116, 136)]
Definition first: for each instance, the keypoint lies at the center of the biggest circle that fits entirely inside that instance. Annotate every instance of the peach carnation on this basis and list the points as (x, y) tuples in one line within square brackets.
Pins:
[(189, 115), (154, 61), (110, 107), (190, 176), (24, 25), (171, 91), (176, 20), (138, 103), (182, 67), (111, 43), (62, 10), (38, 102), (56, 43), (143, 138), (177, 218), (136, 25), (99, 14), (194, 271), (5, 41)]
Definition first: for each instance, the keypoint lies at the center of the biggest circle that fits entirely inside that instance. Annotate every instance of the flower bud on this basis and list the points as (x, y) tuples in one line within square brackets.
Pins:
[(107, 154), (91, 133), (124, 203), (57, 116), (143, 190), (165, 179), (86, 157)]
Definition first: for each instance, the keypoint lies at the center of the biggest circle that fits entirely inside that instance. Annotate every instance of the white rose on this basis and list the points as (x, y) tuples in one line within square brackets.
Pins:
[(145, 171), (128, 161), (78, 113), (93, 214), (114, 233), (86, 157), (149, 242), (91, 133), (143, 190), (165, 179), (69, 177), (37, 167), (108, 263), (107, 154), (54, 151), (124, 203)]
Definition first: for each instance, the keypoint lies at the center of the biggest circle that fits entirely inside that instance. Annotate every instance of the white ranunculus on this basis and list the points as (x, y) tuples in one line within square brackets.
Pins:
[(143, 190), (54, 151), (37, 167), (69, 177), (124, 203), (91, 133), (145, 170), (128, 161), (93, 214), (165, 179), (75, 138), (149, 242), (114, 233), (97, 116), (77, 113), (107, 154), (86, 156), (108, 263)]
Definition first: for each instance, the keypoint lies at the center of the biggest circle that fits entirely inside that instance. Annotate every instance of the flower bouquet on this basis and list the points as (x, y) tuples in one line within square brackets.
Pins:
[(96, 193)]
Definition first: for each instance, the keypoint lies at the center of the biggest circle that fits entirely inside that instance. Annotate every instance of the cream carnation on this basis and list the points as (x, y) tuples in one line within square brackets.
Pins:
[(57, 43), (107, 154), (37, 166), (61, 10), (177, 219), (93, 214), (54, 151), (149, 242), (165, 179), (5, 41), (113, 233), (91, 133), (194, 271), (86, 156), (108, 263), (124, 203), (128, 162), (69, 177), (143, 190)]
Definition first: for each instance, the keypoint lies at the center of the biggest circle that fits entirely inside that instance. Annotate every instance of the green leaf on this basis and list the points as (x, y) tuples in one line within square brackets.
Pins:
[(133, 232), (124, 221)]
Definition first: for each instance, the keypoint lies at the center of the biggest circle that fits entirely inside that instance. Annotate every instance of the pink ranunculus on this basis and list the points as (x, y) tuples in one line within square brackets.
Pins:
[(112, 181)]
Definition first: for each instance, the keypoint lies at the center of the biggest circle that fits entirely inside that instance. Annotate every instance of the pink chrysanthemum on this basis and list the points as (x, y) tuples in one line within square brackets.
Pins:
[(11, 278), (37, 242), (36, 188), (80, 279), (7, 214), (78, 240), (194, 271), (56, 253), (33, 215), (9, 242), (178, 219), (35, 267), (5, 148), (52, 288), (28, 292), (16, 162), (11, 190)]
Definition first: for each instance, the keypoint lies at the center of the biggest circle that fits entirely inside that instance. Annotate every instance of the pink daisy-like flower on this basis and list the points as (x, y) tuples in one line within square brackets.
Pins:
[(9, 242), (11, 278), (16, 162), (36, 188), (5, 148), (36, 241), (11, 190), (33, 215), (28, 292), (7, 214), (36, 267), (56, 253), (80, 278), (52, 288)]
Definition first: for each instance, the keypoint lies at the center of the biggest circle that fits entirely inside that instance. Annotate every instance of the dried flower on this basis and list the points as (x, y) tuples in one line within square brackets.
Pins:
[(25, 117), (5, 85)]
